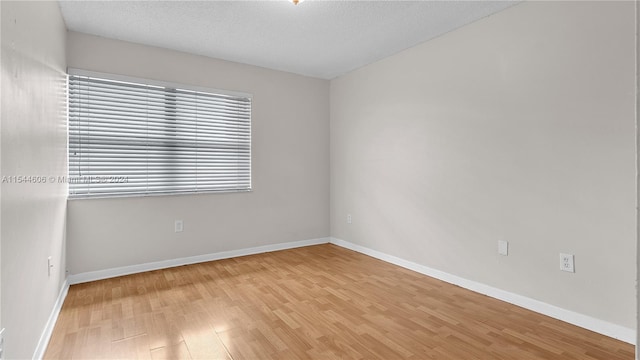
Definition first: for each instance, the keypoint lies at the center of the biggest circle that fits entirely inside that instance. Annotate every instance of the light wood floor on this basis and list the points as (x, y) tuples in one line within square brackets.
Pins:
[(318, 302)]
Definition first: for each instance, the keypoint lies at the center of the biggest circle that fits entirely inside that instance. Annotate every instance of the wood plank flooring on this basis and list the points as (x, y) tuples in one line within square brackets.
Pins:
[(318, 302)]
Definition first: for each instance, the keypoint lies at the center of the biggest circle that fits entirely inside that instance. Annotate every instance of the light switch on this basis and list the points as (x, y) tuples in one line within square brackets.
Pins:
[(503, 247)]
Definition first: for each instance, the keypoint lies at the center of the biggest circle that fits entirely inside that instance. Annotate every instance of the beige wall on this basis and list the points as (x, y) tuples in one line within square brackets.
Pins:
[(33, 144), (290, 139), (518, 127)]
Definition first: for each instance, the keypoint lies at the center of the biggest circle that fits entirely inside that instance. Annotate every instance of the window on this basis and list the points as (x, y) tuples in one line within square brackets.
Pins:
[(137, 137)]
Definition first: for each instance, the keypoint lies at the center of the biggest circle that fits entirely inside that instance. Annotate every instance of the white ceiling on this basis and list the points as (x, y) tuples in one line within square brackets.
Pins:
[(316, 38)]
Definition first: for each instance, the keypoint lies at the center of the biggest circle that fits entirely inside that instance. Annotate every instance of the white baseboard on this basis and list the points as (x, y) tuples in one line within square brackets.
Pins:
[(132, 269), (600, 326), (51, 323)]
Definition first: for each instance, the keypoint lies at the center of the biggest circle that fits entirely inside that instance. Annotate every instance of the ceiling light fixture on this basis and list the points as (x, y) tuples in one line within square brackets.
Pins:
[(296, 2)]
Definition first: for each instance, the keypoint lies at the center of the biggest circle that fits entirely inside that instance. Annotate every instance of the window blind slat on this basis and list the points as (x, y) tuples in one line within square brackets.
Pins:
[(128, 138)]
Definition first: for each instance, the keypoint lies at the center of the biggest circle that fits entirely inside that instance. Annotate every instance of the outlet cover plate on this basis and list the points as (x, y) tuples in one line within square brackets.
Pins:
[(566, 262), (178, 226)]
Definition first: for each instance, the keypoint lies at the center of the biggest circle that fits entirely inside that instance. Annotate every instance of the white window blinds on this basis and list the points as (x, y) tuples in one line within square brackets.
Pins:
[(129, 138)]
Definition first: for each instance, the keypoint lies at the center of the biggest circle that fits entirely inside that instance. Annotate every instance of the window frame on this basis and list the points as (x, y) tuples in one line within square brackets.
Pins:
[(165, 84)]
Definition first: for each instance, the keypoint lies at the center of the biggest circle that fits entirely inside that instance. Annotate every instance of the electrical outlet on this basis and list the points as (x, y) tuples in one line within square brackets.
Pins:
[(503, 247), (348, 218), (566, 262), (178, 226)]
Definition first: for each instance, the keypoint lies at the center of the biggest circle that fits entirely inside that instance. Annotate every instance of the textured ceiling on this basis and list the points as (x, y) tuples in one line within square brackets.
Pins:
[(316, 38)]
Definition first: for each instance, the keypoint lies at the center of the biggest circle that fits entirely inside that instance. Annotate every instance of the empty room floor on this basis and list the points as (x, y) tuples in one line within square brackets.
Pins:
[(317, 302)]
